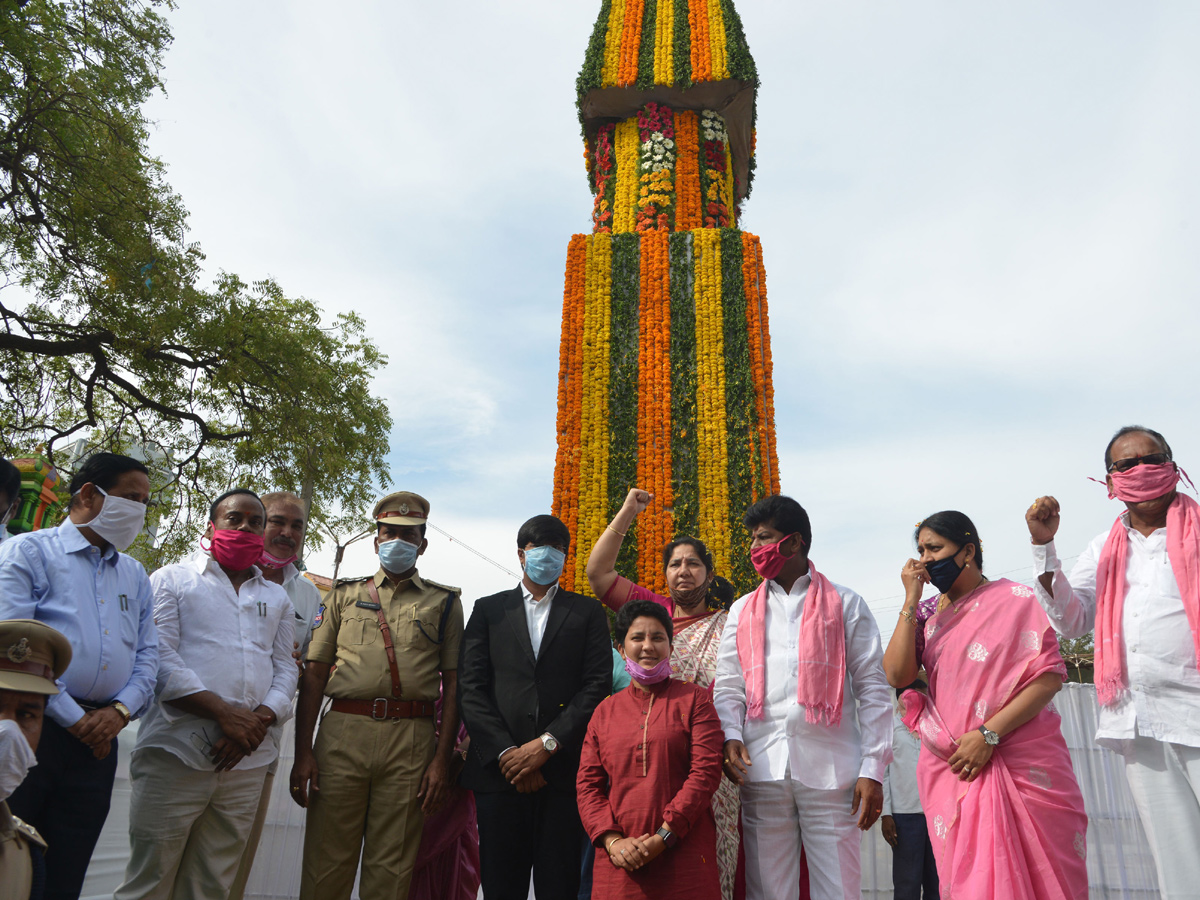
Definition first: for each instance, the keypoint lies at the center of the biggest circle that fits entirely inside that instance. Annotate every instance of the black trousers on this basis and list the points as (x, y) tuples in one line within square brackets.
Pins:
[(522, 832), (913, 864), (65, 797)]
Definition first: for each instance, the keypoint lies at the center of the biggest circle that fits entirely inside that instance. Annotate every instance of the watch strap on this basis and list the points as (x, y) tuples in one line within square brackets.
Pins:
[(669, 837)]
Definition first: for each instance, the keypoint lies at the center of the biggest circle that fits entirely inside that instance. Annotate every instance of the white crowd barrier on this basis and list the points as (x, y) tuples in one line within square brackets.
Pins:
[(1119, 863)]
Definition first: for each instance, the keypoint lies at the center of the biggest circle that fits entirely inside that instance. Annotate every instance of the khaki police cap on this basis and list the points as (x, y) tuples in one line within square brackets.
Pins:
[(401, 508), (32, 655)]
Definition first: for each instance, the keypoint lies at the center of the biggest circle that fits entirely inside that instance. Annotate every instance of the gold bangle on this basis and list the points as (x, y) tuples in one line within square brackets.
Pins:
[(608, 846), (614, 531), (905, 614)]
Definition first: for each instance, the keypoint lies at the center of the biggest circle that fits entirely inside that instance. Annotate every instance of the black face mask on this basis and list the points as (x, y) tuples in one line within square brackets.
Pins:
[(944, 572)]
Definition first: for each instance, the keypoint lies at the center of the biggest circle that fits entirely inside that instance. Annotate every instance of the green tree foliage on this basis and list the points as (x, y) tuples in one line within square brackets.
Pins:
[(1079, 654), (106, 332)]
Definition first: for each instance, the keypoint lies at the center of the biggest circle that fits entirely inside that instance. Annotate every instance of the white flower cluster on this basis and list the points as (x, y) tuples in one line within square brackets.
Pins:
[(713, 127), (658, 153)]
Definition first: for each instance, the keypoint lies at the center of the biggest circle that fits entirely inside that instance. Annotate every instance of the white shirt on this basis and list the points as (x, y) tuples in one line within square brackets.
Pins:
[(306, 600), (237, 644), (1163, 701), (537, 613), (900, 782), (783, 743)]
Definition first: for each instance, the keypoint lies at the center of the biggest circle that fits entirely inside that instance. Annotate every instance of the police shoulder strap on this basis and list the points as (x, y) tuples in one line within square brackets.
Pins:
[(388, 646)]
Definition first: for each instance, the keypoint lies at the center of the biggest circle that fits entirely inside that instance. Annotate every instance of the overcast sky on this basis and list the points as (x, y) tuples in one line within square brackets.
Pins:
[(978, 220)]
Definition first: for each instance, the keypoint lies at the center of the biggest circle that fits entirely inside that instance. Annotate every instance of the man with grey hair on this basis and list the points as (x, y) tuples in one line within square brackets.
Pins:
[(283, 544)]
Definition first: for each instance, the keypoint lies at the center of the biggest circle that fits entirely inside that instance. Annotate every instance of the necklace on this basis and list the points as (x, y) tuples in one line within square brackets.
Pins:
[(954, 603)]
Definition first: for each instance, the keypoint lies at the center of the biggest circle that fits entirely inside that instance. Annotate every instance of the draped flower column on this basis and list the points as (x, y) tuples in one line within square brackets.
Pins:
[(665, 361)]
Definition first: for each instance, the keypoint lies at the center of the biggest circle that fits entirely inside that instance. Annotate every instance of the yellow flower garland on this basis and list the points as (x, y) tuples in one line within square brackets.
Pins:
[(593, 462), (712, 446), (626, 146), (664, 43), (612, 44)]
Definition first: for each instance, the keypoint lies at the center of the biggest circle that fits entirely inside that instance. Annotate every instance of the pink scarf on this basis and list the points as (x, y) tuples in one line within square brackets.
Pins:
[(821, 676), (1183, 550)]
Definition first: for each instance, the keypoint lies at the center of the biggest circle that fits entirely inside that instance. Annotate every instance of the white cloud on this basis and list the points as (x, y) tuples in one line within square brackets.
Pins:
[(978, 228)]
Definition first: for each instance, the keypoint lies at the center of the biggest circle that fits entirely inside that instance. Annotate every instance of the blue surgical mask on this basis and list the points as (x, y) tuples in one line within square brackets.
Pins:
[(397, 556), (543, 565), (944, 572)]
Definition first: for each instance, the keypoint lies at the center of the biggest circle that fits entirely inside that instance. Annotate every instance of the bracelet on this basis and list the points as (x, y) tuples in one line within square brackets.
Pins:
[(608, 846), (905, 614), (614, 531)]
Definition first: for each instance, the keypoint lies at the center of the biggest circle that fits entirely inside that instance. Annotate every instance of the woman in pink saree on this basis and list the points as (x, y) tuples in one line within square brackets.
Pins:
[(1004, 810)]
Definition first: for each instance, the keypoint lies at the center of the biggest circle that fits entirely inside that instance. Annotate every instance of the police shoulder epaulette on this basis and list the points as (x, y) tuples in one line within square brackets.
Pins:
[(444, 587), (28, 831)]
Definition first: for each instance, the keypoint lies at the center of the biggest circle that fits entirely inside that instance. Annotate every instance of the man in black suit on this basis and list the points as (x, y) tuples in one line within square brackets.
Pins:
[(535, 661)]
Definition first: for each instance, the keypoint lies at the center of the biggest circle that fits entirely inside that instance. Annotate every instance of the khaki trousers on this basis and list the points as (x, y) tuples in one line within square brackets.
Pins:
[(369, 773), (186, 827)]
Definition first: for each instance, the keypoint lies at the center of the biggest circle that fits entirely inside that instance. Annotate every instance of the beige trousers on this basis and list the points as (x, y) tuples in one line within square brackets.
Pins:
[(187, 827), (238, 890), (369, 773)]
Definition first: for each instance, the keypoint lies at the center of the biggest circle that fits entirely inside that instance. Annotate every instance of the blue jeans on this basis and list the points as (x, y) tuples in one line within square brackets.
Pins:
[(913, 865)]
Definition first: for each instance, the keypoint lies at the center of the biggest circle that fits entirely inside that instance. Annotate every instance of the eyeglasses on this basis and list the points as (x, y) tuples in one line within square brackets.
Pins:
[(202, 742), (1150, 459)]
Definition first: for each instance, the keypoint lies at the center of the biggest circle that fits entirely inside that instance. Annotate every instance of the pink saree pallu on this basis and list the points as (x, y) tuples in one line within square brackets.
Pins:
[(1017, 832)]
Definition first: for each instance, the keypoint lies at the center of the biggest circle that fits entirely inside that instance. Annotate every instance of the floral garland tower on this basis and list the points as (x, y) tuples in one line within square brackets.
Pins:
[(665, 362)]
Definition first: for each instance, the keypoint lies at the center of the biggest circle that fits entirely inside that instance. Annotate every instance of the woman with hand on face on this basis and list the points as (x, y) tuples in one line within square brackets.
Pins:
[(1004, 810), (698, 601), (651, 762)]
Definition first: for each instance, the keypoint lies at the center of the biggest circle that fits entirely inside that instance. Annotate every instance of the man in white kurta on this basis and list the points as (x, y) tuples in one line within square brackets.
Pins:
[(806, 783), (226, 674), (1155, 725)]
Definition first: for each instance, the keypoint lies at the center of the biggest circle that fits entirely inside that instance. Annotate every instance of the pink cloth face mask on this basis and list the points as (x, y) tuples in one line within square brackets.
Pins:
[(642, 676), (235, 549), (1143, 482), (769, 560), (274, 562)]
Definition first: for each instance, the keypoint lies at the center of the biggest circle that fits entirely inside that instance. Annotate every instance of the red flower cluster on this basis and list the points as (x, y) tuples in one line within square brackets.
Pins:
[(654, 117), (603, 162), (714, 155)]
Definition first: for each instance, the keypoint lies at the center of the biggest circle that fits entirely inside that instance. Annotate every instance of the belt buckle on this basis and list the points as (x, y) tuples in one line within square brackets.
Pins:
[(375, 713)]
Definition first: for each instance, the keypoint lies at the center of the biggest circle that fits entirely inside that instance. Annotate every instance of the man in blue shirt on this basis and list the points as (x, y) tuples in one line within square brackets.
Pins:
[(76, 579)]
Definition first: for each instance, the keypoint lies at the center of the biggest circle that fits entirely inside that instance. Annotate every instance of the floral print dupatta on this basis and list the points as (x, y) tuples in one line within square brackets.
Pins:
[(1018, 831)]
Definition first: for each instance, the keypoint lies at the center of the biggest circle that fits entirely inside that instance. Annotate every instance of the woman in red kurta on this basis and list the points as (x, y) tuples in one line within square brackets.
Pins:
[(651, 763)]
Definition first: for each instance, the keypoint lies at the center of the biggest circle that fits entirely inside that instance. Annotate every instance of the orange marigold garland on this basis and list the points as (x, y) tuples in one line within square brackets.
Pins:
[(655, 525), (688, 214)]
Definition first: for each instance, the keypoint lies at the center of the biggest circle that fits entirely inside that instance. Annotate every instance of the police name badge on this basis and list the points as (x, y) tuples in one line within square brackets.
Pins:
[(367, 604)]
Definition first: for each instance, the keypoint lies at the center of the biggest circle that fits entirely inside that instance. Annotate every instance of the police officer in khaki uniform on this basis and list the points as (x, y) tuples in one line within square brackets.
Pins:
[(381, 647), (32, 656)]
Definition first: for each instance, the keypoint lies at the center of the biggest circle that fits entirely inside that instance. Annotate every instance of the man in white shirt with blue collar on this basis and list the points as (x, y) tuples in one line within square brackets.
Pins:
[(1147, 632), (77, 579), (226, 675), (804, 781)]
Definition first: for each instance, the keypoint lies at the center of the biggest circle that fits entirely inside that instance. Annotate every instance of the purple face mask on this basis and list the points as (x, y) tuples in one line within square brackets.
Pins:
[(642, 676)]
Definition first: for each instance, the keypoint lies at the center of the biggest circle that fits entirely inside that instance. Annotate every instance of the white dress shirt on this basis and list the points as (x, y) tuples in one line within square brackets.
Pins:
[(100, 601), (900, 783), (1163, 701), (237, 644), (783, 743), (306, 600), (537, 613)]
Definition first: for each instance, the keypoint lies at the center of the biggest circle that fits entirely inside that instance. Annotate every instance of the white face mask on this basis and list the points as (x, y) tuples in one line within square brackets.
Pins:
[(120, 520), (16, 757)]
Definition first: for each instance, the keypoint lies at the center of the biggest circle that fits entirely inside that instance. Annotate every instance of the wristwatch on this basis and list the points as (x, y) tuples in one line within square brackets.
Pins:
[(669, 837), (550, 743), (990, 736), (122, 709)]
